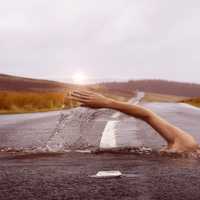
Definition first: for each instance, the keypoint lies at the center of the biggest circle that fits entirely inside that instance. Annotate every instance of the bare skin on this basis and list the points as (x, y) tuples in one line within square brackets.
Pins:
[(178, 141)]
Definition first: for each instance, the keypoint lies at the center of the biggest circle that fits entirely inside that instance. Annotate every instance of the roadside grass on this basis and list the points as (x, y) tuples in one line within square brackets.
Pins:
[(155, 97), (22, 102), (193, 101), (14, 102), (25, 101)]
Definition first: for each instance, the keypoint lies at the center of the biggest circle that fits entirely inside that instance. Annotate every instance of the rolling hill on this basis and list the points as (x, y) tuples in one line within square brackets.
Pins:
[(15, 83), (19, 94), (156, 86)]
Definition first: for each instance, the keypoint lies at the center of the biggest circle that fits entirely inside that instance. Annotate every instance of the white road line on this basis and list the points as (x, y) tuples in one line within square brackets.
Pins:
[(108, 139), (190, 106), (116, 115)]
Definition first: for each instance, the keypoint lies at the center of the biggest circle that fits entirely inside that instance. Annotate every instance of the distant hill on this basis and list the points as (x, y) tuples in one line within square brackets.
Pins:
[(156, 86), (15, 83)]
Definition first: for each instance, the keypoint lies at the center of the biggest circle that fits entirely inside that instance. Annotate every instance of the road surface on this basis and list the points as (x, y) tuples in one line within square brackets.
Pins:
[(50, 176), (83, 128)]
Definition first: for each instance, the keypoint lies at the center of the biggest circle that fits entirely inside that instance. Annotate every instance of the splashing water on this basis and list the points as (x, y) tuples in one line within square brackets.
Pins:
[(81, 129), (70, 128), (56, 141)]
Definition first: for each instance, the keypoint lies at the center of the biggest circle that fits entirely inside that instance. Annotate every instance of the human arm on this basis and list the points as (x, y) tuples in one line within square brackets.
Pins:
[(169, 132)]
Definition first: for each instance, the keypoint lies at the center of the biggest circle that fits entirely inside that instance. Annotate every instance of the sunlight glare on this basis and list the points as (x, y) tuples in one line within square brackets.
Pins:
[(79, 78)]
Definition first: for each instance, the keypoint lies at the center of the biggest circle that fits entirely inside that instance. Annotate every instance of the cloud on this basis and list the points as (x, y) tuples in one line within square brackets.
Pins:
[(116, 38)]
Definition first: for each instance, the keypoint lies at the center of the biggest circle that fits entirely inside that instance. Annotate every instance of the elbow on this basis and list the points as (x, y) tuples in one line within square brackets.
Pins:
[(145, 116)]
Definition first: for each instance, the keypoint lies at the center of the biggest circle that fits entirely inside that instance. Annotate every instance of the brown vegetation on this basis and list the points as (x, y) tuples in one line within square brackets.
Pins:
[(153, 97), (16, 83), (156, 86), (18, 102), (193, 101), (18, 94), (22, 102)]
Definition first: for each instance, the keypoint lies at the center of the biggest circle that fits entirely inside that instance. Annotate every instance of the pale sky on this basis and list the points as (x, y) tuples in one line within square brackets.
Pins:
[(117, 39)]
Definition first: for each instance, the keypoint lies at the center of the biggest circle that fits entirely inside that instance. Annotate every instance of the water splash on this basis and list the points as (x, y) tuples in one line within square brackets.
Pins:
[(56, 141), (68, 134)]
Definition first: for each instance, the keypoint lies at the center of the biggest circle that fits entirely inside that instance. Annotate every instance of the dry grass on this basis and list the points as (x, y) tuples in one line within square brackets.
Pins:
[(193, 101), (153, 97), (20, 102), (25, 101)]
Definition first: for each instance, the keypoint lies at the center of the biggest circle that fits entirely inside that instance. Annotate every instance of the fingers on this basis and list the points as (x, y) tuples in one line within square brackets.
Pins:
[(80, 96), (77, 98), (83, 93), (83, 97)]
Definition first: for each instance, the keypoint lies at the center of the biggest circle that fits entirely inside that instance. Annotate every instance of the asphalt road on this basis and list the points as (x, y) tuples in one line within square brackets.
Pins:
[(67, 176), (42, 175), (84, 128)]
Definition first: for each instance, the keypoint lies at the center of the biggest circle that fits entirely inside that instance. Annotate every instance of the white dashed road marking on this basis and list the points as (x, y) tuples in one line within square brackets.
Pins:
[(113, 136)]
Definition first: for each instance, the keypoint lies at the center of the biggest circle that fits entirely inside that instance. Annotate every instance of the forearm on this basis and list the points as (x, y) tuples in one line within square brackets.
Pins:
[(164, 128), (130, 109)]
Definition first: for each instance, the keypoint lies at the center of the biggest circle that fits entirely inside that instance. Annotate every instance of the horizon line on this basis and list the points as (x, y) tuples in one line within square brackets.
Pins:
[(97, 79)]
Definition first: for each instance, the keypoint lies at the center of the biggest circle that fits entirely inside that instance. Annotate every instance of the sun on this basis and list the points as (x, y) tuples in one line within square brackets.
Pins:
[(80, 78)]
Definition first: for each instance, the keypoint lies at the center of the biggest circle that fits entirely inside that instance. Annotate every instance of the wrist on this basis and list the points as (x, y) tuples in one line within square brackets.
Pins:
[(111, 103)]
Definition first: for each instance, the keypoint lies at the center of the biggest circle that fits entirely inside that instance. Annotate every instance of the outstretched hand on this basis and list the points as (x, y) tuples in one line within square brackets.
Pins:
[(90, 99)]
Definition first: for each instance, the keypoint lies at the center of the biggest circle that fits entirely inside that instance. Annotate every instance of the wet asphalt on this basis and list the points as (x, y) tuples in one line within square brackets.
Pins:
[(67, 176), (82, 128)]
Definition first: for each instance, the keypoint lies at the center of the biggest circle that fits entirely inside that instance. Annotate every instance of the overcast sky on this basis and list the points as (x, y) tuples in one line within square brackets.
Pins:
[(102, 38)]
